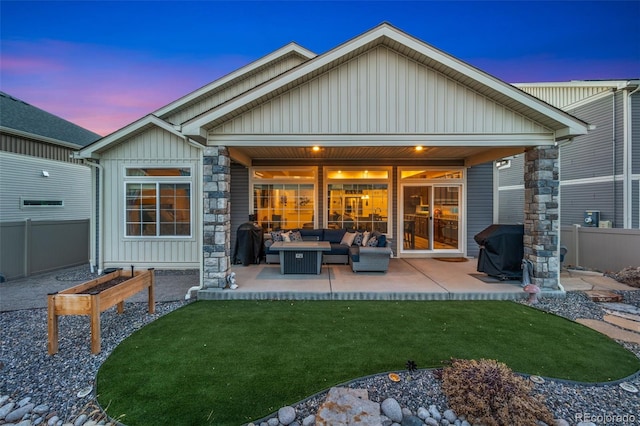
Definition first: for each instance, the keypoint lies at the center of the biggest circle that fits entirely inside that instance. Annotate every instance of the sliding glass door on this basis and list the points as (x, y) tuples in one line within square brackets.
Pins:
[(430, 210)]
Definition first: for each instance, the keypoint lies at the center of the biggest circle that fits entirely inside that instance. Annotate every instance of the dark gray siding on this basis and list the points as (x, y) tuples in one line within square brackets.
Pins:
[(513, 175), (591, 155), (511, 201), (511, 206), (479, 203), (635, 133), (575, 199), (635, 199), (239, 188)]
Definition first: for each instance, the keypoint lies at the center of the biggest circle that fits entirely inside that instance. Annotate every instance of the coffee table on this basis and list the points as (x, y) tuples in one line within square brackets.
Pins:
[(301, 257)]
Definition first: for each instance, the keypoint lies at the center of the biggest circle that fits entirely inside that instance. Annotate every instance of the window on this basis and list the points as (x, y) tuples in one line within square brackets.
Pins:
[(158, 204), (284, 198), (358, 199)]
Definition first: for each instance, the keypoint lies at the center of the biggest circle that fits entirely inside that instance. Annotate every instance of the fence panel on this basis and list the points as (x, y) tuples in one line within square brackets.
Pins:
[(602, 249), (33, 247)]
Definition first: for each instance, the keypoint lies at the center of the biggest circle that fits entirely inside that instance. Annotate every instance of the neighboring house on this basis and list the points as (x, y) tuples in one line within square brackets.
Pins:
[(382, 132), (600, 172), (44, 193)]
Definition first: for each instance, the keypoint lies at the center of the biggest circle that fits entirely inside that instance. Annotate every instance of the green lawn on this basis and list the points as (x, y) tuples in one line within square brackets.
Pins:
[(227, 363)]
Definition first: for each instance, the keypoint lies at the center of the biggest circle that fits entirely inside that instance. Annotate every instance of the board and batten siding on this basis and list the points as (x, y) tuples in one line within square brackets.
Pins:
[(379, 91), (479, 204), (230, 91), (22, 176), (152, 148)]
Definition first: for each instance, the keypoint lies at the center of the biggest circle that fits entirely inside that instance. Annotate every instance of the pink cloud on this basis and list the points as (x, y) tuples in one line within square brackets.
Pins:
[(98, 87)]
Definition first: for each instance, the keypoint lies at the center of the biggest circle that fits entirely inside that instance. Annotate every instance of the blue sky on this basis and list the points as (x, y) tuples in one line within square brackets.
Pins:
[(103, 65)]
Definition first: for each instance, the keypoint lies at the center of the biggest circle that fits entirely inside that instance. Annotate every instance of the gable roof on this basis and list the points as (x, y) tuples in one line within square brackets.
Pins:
[(564, 125), (93, 150), (291, 49), (28, 120)]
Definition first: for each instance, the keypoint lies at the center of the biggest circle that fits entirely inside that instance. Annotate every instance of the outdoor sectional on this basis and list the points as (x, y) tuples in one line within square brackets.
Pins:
[(346, 248)]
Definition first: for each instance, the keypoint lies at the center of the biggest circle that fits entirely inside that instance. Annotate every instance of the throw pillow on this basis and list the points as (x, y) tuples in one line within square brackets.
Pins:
[(357, 240), (365, 238), (382, 240), (373, 242), (286, 237), (276, 236), (348, 238), (295, 236)]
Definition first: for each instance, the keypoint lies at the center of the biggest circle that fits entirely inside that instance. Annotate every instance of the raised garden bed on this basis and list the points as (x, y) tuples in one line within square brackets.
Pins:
[(95, 296)]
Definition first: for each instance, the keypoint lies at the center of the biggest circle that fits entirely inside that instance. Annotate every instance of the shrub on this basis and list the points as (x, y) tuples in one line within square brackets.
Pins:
[(488, 392)]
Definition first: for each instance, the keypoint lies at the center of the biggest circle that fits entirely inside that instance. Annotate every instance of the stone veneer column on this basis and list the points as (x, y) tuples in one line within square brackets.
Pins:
[(217, 219), (541, 212)]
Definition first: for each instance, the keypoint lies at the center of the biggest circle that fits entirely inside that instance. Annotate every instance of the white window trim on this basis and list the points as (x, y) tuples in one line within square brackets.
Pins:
[(388, 181), (286, 181), (158, 180), (462, 221)]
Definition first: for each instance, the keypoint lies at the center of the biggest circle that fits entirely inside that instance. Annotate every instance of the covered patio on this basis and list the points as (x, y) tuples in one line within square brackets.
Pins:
[(407, 279)]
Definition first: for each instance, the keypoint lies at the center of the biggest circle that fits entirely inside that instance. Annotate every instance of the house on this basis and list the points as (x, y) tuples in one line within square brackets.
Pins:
[(44, 193), (382, 132), (600, 171)]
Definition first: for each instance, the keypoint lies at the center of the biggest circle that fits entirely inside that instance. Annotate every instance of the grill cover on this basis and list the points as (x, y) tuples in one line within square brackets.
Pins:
[(249, 244), (501, 251)]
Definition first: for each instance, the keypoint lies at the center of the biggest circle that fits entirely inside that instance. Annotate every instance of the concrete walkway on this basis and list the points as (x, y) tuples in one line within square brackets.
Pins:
[(31, 292)]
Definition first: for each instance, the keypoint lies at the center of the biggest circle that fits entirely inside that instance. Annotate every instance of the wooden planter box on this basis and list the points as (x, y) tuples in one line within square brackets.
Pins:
[(95, 296)]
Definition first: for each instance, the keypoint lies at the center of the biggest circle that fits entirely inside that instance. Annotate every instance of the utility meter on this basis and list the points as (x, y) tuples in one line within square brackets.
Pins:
[(591, 218)]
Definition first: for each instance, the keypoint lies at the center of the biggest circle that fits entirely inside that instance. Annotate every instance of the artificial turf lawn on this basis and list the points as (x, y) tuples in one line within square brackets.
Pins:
[(227, 363)]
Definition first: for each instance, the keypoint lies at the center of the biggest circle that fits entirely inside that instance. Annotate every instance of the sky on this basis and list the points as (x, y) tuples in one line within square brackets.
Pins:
[(104, 64)]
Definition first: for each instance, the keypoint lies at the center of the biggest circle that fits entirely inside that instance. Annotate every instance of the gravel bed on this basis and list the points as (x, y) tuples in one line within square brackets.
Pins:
[(54, 381)]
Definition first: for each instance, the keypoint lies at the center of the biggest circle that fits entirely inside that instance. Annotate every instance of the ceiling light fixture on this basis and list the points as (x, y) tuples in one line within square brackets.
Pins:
[(419, 148), (316, 148)]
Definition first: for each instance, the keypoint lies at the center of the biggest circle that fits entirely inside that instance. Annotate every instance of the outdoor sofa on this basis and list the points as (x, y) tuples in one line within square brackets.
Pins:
[(346, 247)]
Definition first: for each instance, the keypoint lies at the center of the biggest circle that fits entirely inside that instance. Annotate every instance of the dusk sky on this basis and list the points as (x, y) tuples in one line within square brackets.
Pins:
[(103, 65)]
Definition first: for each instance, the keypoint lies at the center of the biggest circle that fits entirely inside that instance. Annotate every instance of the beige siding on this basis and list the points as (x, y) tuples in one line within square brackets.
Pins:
[(227, 92), (21, 176), (152, 148), (380, 91), (563, 96)]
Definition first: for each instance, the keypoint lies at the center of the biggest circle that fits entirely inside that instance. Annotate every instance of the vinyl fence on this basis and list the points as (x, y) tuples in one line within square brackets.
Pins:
[(602, 249), (33, 247)]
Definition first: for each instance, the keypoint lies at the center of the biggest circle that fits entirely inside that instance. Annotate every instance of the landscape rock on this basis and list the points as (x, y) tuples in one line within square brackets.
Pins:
[(273, 421), (433, 410), (560, 422), (6, 409), (423, 413), (412, 421), (450, 415), (286, 415), (348, 406), (391, 408), (19, 413), (310, 420), (430, 421)]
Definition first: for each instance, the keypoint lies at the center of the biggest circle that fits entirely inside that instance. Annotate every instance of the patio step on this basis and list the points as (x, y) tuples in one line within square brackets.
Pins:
[(603, 296), (627, 324), (611, 330)]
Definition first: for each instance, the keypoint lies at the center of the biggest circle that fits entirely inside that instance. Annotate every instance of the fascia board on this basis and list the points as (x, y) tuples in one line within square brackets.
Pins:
[(339, 140), (564, 119), (93, 150), (275, 55)]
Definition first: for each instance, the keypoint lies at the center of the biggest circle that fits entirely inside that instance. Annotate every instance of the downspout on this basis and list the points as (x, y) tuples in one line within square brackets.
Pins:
[(627, 158), (200, 220), (99, 216), (613, 150)]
